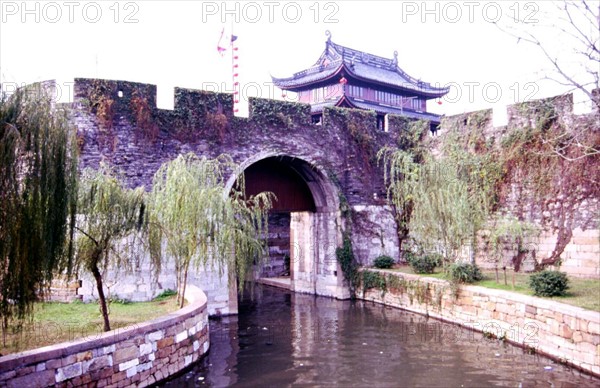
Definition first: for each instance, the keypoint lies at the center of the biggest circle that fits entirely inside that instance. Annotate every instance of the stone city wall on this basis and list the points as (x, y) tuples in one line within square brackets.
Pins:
[(558, 195)]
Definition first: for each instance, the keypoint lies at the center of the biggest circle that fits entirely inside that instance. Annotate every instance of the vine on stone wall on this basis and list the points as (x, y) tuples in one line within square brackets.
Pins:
[(416, 290), (543, 154), (200, 113), (143, 114), (348, 264), (102, 103), (280, 114), (360, 126), (370, 280), (541, 172)]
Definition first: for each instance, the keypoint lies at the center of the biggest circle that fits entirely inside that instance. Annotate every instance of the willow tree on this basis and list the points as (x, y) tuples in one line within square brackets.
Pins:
[(108, 213), (38, 175), (449, 198), (200, 222)]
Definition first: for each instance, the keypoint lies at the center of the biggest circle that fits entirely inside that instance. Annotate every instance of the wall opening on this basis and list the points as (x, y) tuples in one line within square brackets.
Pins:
[(279, 176), (305, 223)]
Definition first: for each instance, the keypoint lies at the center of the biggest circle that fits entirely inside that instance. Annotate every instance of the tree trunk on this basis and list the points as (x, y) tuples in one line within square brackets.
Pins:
[(101, 297), (183, 285), (517, 259)]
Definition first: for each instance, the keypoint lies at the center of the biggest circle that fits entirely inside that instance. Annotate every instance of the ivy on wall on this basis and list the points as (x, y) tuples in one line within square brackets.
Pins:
[(538, 169)]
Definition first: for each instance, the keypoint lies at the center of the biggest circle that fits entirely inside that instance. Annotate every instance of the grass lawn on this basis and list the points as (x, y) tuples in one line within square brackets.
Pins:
[(583, 293), (53, 323)]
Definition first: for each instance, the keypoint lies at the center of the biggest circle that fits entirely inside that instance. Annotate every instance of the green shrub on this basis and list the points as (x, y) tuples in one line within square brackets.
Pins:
[(345, 256), (549, 283), (465, 273), (373, 280), (165, 294), (383, 262), (423, 264)]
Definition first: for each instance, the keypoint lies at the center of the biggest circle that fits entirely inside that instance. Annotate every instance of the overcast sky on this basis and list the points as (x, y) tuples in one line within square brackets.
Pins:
[(173, 43)]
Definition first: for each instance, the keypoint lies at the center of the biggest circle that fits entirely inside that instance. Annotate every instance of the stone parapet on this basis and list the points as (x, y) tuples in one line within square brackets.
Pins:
[(138, 355)]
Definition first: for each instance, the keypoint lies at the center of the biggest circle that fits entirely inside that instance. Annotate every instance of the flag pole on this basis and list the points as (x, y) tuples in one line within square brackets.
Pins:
[(234, 72)]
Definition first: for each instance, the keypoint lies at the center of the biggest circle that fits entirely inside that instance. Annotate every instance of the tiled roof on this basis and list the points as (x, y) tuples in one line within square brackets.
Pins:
[(384, 109), (394, 110), (318, 107), (362, 66)]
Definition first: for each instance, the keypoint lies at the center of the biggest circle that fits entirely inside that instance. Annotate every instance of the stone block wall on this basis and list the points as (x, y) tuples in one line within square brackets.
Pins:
[(558, 196), (136, 356), (374, 233), (567, 333), (581, 255), (315, 269), (64, 290), (279, 246), (138, 285)]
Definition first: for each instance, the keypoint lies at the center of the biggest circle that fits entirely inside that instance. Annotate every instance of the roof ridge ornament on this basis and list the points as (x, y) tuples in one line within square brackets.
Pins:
[(395, 60), (328, 41)]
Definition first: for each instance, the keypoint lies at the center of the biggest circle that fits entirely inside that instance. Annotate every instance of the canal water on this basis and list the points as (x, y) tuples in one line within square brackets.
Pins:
[(282, 339)]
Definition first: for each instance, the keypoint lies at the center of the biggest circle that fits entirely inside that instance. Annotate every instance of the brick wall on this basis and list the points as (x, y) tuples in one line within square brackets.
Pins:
[(136, 356)]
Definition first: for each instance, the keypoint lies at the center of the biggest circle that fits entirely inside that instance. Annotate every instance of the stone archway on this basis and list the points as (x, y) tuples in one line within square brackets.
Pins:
[(312, 201)]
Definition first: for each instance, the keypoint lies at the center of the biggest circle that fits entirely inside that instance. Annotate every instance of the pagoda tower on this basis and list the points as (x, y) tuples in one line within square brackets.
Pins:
[(348, 78)]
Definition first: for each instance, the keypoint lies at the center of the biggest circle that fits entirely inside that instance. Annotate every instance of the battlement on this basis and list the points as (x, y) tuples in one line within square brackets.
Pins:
[(124, 96)]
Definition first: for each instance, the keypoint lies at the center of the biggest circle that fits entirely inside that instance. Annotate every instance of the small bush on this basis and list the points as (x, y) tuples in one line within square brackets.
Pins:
[(465, 273), (423, 264), (549, 283), (165, 294), (383, 262), (373, 280)]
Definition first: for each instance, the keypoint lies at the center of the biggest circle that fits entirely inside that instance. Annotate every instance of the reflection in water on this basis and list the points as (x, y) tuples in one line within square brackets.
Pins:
[(285, 339)]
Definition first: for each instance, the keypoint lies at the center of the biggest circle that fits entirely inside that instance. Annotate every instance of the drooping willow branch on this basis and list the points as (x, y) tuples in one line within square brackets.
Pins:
[(38, 176)]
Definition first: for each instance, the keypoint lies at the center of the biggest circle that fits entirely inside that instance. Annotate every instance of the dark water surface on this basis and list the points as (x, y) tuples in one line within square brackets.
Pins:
[(284, 339)]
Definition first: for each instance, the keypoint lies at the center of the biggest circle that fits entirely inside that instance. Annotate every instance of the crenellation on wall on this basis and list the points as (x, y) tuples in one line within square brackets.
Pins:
[(203, 122)]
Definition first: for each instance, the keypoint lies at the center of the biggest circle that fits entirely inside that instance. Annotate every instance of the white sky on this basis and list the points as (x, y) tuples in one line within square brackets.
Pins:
[(173, 43)]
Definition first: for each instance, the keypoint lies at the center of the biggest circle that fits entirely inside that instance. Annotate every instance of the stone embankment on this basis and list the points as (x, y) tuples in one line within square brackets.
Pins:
[(139, 355), (566, 333)]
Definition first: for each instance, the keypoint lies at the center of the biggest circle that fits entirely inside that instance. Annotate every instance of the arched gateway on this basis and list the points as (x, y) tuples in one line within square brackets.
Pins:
[(305, 224), (313, 168)]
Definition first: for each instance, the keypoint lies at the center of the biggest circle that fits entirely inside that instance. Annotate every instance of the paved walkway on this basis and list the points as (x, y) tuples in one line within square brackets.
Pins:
[(280, 282)]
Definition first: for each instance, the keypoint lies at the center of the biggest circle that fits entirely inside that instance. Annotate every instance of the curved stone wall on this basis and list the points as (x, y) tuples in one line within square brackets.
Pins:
[(135, 356), (566, 333)]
